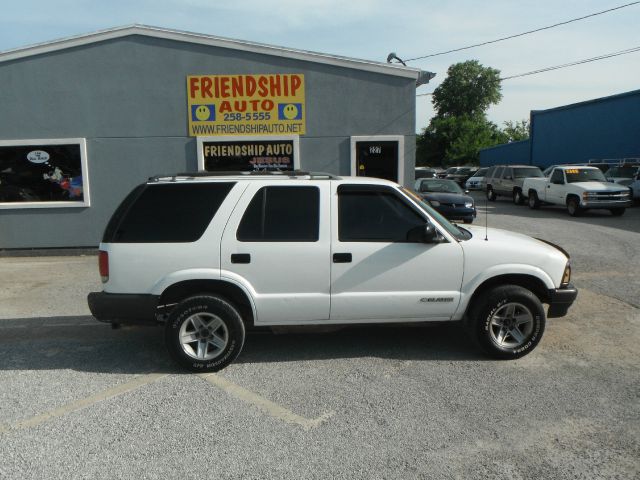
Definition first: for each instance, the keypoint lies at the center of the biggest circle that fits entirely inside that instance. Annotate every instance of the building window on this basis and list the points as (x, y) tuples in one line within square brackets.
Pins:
[(43, 173)]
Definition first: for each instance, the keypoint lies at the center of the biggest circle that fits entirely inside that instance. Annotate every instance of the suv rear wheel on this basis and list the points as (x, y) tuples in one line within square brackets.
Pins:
[(204, 333), (491, 195), (508, 322)]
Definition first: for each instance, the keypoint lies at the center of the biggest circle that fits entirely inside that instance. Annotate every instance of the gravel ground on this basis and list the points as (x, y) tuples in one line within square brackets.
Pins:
[(79, 400)]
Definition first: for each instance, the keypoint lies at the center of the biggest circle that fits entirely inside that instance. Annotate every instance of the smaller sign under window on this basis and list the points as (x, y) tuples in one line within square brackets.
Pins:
[(248, 155)]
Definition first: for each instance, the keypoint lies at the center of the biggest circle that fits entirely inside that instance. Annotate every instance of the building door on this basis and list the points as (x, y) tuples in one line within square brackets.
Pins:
[(380, 157)]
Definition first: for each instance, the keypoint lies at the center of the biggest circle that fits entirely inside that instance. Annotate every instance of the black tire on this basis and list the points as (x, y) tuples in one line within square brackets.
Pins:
[(616, 212), (485, 311), (468, 220), (491, 195), (534, 203), (221, 343), (573, 206), (518, 198)]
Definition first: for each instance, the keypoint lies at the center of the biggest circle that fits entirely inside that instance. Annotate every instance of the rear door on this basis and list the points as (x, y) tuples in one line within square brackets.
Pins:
[(277, 245), (376, 273)]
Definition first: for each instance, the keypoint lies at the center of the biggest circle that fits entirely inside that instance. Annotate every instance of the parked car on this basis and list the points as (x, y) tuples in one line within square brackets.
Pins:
[(448, 171), (300, 248), (475, 181), (425, 172), (634, 187), (578, 189), (507, 180), (461, 175), (622, 174), (448, 198)]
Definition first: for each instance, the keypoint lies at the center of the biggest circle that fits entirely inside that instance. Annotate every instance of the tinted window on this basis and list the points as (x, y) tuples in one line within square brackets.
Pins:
[(527, 172), (367, 214), (166, 213), (282, 214), (508, 173), (557, 177)]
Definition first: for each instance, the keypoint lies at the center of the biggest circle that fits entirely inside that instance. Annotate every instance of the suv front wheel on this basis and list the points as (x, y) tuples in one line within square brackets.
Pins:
[(204, 333), (508, 322)]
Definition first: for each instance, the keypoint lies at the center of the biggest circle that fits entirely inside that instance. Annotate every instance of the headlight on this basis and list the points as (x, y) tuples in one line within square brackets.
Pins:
[(566, 276), (468, 204), (434, 203)]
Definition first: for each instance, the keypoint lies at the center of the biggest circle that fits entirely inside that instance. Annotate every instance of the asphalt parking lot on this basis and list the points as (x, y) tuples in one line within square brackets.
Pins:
[(80, 400)]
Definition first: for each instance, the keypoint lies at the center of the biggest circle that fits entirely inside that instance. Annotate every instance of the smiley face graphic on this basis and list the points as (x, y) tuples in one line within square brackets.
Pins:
[(289, 111), (203, 113)]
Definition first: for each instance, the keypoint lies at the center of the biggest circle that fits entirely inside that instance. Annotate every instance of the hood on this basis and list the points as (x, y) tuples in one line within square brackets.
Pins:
[(512, 250), (447, 197), (599, 186)]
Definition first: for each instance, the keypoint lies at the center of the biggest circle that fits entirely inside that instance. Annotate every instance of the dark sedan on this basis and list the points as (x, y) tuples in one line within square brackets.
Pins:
[(448, 198)]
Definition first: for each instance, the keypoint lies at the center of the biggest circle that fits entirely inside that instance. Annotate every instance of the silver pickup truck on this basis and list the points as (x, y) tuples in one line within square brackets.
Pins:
[(577, 189)]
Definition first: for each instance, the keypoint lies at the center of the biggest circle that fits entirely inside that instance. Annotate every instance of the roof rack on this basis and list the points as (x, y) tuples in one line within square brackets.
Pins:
[(258, 173)]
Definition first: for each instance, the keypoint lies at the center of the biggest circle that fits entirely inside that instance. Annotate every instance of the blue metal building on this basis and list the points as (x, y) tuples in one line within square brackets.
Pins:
[(603, 128)]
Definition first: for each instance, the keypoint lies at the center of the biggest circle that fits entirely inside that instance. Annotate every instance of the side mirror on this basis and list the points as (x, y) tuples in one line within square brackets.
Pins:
[(426, 233)]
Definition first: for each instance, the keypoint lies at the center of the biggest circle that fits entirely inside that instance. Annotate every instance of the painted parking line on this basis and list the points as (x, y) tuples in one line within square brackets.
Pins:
[(84, 402), (267, 406)]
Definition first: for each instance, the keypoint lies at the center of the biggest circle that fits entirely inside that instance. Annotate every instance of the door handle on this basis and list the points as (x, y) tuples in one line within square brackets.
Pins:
[(240, 258), (341, 258)]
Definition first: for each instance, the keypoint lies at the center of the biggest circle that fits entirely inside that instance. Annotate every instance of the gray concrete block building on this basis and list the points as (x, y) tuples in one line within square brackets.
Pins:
[(87, 118)]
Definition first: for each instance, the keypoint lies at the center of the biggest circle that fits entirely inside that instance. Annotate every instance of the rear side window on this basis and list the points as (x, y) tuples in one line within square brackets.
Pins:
[(498, 172), (374, 215), (166, 213), (527, 172), (282, 214)]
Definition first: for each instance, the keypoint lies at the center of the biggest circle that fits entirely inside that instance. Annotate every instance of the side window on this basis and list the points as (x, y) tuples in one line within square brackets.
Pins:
[(498, 173), (374, 215), (282, 214), (508, 173), (557, 177), (166, 213)]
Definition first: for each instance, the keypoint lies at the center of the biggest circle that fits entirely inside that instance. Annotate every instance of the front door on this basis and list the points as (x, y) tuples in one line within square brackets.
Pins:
[(377, 159), (376, 273), (277, 245)]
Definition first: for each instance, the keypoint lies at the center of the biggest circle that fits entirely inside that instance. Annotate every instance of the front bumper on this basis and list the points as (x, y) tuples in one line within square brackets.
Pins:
[(560, 299), (123, 308), (605, 203), (456, 213)]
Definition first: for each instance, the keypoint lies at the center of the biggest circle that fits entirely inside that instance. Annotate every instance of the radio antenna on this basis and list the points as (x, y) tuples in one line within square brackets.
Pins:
[(486, 219)]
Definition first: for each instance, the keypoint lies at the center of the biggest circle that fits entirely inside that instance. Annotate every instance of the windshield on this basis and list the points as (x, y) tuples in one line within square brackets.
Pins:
[(440, 186), (446, 224), (480, 173), (527, 172), (575, 175)]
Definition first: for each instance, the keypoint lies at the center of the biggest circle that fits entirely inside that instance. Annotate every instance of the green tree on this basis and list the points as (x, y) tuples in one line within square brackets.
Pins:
[(516, 131), (460, 128), (469, 89)]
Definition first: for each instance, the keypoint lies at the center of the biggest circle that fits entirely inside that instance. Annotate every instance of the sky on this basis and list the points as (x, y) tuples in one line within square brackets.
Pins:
[(371, 29)]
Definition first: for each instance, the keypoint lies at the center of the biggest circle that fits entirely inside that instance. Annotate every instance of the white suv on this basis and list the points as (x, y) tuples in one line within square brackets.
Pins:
[(210, 255)]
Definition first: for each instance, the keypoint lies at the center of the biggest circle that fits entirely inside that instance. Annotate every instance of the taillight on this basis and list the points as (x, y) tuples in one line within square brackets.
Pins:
[(103, 263)]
